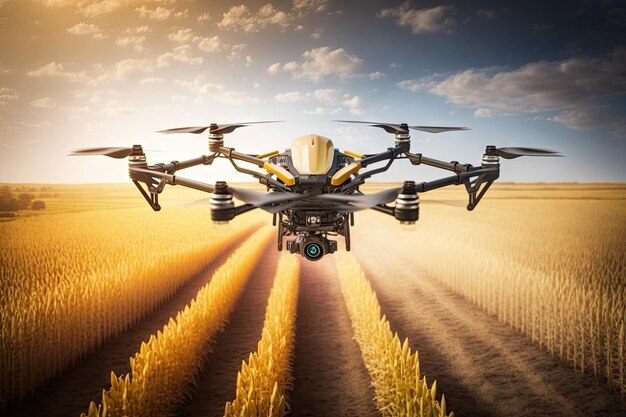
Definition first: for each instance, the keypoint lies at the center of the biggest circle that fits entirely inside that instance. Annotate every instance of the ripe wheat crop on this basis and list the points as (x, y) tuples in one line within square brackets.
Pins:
[(263, 381), (393, 368), (164, 371), (552, 268), (69, 282)]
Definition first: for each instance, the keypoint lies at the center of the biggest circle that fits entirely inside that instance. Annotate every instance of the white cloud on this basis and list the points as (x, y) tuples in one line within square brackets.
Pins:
[(8, 94), (137, 42), (151, 80), (204, 17), (292, 97), (423, 20), (59, 70), (303, 7), (355, 105), (81, 29), (217, 92), (212, 44), (137, 30), (182, 35), (573, 88), (376, 75), (93, 8), (274, 68), (182, 53), (241, 18), (44, 102), (321, 63), (96, 74), (328, 100), (159, 14)]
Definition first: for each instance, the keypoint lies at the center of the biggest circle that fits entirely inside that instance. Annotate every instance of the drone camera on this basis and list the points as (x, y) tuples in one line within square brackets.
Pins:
[(312, 247), (222, 205), (407, 204)]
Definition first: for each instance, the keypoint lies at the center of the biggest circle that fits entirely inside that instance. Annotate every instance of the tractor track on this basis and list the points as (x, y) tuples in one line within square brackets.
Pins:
[(483, 366), (71, 393)]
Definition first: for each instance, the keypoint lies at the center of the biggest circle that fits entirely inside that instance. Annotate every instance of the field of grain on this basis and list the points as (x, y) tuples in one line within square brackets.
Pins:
[(517, 308)]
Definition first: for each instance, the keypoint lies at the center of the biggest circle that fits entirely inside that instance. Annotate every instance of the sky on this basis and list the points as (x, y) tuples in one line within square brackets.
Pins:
[(82, 73)]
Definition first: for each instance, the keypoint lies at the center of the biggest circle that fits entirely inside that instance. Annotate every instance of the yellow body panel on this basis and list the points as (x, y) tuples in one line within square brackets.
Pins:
[(267, 155), (281, 173), (344, 173), (354, 154), (312, 154)]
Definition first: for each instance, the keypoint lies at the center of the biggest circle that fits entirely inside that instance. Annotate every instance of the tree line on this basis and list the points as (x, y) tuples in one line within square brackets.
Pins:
[(10, 201)]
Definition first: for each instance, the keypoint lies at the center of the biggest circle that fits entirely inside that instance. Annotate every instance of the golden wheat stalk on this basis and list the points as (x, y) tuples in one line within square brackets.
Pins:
[(69, 282), (263, 381), (393, 368), (164, 371)]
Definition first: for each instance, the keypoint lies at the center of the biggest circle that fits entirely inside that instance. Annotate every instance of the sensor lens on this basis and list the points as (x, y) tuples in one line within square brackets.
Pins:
[(313, 251)]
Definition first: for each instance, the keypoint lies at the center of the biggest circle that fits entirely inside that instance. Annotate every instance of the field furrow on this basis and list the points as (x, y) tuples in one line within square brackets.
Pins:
[(265, 378), (330, 378), (217, 381)]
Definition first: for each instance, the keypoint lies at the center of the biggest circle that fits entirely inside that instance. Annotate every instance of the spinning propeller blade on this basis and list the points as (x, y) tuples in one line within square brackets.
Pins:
[(363, 201), (514, 152), (272, 202), (214, 128), (404, 128), (117, 153)]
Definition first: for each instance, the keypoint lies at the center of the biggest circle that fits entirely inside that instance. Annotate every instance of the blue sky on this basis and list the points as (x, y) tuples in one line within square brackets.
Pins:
[(82, 73)]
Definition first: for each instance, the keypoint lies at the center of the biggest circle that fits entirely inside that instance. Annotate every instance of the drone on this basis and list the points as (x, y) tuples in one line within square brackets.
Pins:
[(313, 188)]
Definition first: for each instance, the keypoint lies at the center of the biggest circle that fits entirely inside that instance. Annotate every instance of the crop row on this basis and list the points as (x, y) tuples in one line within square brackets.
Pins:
[(164, 371), (69, 282), (393, 367), (263, 381), (554, 270)]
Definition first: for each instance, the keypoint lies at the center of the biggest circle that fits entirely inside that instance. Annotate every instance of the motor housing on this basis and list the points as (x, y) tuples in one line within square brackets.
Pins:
[(221, 203), (407, 208)]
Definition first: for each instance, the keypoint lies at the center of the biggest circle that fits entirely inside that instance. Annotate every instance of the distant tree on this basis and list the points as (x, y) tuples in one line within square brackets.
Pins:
[(38, 205), (24, 200), (7, 202)]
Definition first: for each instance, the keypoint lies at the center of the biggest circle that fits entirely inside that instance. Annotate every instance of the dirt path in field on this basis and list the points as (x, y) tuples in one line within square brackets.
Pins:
[(71, 394), (330, 378), (217, 383), (484, 367)]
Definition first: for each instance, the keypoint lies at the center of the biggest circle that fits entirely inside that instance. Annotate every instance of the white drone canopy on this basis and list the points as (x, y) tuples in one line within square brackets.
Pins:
[(312, 154)]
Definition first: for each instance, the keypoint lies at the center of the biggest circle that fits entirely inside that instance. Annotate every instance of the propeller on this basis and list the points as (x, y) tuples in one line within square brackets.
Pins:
[(271, 202), (404, 128), (515, 152), (117, 153), (363, 201), (214, 128)]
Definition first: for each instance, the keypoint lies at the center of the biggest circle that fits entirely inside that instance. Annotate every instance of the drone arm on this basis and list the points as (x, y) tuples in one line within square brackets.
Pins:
[(390, 155), (454, 166), (175, 180), (176, 165)]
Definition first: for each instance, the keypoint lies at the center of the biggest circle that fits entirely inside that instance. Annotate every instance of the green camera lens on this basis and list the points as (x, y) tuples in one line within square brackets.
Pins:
[(313, 251)]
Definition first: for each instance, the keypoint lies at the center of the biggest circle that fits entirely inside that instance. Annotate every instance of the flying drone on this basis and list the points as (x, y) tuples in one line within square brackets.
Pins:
[(313, 188)]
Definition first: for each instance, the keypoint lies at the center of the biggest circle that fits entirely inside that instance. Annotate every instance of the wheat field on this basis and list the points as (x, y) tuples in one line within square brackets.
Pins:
[(545, 259)]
